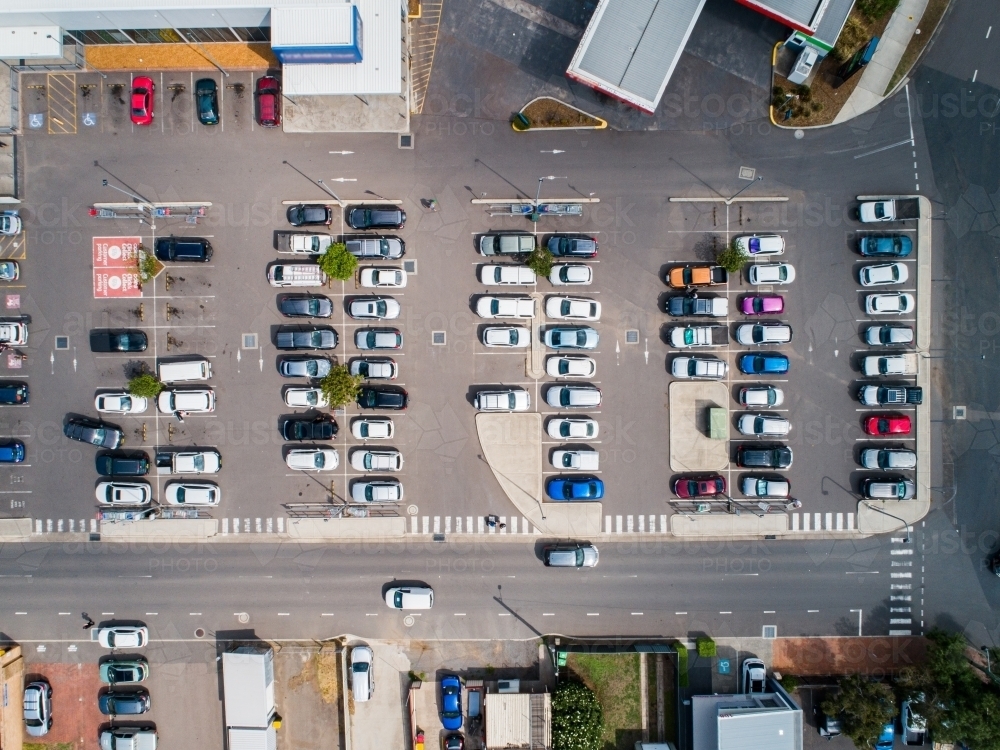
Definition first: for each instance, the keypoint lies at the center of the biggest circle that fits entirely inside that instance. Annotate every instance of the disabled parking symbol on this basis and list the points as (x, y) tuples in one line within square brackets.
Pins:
[(89, 119), (36, 120)]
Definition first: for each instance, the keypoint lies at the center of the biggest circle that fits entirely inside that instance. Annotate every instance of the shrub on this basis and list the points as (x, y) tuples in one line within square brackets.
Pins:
[(876, 10), (577, 718), (540, 261), (789, 682), (337, 263), (852, 36), (863, 706), (145, 385), (706, 646), (732, 258), (147, 266), (340, 387)]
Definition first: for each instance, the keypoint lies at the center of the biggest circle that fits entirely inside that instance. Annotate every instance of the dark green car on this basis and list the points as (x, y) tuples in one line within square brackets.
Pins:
[(124, 671), (206, 95)]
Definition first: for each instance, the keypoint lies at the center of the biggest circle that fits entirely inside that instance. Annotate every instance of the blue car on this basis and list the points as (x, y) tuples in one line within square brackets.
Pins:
[(886, 736), (12, 452), (770, 363), (451, 702), (575, 488), (885, 245)]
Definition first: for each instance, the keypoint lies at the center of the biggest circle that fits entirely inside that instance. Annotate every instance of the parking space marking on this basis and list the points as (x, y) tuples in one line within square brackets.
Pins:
[(60, 95), (14, 248)]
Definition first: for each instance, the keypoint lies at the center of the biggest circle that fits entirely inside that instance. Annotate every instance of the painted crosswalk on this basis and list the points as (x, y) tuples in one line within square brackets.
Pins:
[(901, 586)]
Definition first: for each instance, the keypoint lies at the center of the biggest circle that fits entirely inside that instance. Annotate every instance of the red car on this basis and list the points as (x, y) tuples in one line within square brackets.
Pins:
[(887, 424), (268, 95), (700, 486), (143, 96)]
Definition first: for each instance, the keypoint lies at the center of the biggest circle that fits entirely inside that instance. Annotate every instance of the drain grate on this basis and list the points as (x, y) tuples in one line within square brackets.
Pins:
[(62, 342), (410, 266), (439, 338), (406, 140), (249, 341), (958, 412), (631, 337), (770, 631)]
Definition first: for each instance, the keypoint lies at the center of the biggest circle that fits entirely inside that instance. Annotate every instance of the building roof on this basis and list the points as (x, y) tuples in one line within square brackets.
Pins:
[(832, 23), (326, 26), (518, 720), (30, 41), (744, 722), (631, 47), (804, 15)]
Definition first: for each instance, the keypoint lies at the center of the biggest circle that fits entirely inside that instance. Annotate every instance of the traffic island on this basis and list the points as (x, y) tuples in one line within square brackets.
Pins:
[(546, 113)]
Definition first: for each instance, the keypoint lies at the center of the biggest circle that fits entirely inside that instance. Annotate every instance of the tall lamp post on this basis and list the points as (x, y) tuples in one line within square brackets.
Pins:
[(535, 216), (728, 202), (143, 203)]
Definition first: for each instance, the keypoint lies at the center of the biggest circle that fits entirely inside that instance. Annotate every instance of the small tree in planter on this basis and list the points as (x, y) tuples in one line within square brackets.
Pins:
[(145, 385), (340, 387), (706, 646), (733, 258), (337, 263), (540, 261)]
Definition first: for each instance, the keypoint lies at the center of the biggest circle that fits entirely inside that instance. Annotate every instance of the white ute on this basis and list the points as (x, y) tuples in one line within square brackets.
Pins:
[(505, 307)]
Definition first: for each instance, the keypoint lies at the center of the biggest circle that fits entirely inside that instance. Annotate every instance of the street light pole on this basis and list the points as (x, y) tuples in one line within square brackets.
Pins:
[(535, 216), (906, 526), (744, 188), (143, 203)]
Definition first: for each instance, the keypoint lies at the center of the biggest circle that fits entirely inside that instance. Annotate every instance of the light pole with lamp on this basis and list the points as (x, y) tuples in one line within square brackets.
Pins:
[(906, 526), (143, 203), (749, 184), (535, 216)]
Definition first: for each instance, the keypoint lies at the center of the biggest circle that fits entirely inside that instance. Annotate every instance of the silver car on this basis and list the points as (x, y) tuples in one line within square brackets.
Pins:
[(37, 708), (570, 556), (373, 308), (362, 673)]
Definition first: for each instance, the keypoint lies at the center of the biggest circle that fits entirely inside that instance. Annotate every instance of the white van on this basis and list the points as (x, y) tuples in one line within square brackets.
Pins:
[(296, 274), (181, 372)]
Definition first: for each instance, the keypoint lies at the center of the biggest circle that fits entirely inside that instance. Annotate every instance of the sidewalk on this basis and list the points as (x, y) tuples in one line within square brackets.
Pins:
[(870, 91)]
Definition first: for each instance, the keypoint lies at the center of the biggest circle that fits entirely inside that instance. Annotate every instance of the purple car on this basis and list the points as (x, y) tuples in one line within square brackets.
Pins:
[(764, 304)]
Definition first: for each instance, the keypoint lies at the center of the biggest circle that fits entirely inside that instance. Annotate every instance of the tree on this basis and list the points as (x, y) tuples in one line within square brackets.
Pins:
[(340, 387), (337, 263), (577, 719), (733, 258), (863, 706), (145, 385), (540, 261)]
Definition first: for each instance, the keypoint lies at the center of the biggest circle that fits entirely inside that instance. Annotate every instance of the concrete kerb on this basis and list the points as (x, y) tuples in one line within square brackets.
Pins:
[(533, 365)]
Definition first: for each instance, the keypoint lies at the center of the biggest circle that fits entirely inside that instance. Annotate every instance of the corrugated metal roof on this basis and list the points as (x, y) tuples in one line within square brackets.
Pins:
[(804, 12), (631, 47), (509, 721), (47, 6), (329, 26), (381, 70), (775, 730), (30, 41), (248, 687), (834, 16)]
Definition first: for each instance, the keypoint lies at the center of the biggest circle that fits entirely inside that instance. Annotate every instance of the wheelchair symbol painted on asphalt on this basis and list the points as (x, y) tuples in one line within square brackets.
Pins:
[(89, 119), (36, 121)]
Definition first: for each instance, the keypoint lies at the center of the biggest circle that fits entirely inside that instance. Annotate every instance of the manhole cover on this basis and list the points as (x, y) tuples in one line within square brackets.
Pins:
[(408, 621), (249, 341), (62, 342), (438, 338), (199, 633), (411, 509), (243, 617), (632, 336)]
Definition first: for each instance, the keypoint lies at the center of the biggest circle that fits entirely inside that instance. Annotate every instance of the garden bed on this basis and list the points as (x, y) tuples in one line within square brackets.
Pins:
[(548, 113), (614, 678)]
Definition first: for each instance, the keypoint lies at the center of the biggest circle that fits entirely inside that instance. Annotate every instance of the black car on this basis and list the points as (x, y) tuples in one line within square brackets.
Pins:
[(382, 398), (310, 215), (122, 465), (308, 338), (206, 93), (572, 245), (305, 306), (764, 457), (319, 428), (128, 703), (183, 249), (13, 394), (375, 217), (118, 341), (93, 432)]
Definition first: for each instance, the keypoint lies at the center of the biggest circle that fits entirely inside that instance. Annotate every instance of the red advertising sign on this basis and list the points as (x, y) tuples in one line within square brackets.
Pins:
[(116, 267)]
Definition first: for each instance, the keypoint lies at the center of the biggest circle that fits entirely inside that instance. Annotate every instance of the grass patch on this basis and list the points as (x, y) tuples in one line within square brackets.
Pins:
[(328, 677), (614, 678), (48, 746), (682, 666), (928, 25)]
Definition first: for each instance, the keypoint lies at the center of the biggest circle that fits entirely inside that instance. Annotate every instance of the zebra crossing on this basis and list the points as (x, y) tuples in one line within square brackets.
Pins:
[(901, 558)]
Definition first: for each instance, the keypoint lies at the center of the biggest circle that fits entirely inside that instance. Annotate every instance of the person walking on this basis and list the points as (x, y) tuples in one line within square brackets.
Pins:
[(89, 622)]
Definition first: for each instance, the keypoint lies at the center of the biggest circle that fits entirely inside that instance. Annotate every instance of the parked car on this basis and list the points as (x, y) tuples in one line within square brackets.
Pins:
[(891, 303), (122, 465), (572, 245), (760, 244), (123, 636), (206, 94), (451, 702), (193, 493), (377, 491), (118, 341), (11, 452), (754, 675), (770, 363), (885, 245), (570, 366), (574, 488), (309, 215), (572, 308), (888, 488), (369, 339), (888, 458), (510, 399), (887, 424), (382, 398), (886, 737), (131, 703), (303, 243), (884, 273), (761, 395), (304, 367), (120, 402), (763, 425), (373, 308), (582, 460), (693, 305), (10, 223), (749, 334), (698, 367), (96, 433), (305, 306), (382, 248), (699, 486), (573, 396), (566, 274), (888, 335), (312, 459), (9, 269), (506, 275), (123, 493), (376, 278), (37, 708), (268, 100), (750, 456), (375, 217), (455, 740), (123, 671), (322, 427), (913, 724), (143, 100), (13, 332), (372, 368), (366, 459), (201, 401), (572, 428), (298, 339), (570, 555), (571, 337), (771, 273), (183, 249), (506, 336), (410, 597), (373, 428), (491, 307), (362, 673), (757, 485), (128, 738)]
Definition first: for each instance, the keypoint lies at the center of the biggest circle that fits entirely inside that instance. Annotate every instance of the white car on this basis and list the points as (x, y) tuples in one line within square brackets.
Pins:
[(505, 307), (308, 244), (888, 335), (576, 460), (373, 308), (312, 459), (753, 486), (373, 278), (572, 428), (375, 369), (14, 333), (761, 395), (364, 459), (568, 274), (10, 223), (410, 597), (123, 636), (568, 366), (572, 308), (193, 493), (504, 275), (749, 334), (197, 462), (698, 367), (760, 244), (512, 399), (304, 398), (170, 402), (888, 458), (377, 491), (362, 679), (507, 336), (891, 303), (754, 676), (120, 403), (573, 396), (763, 425), (373, 428), (123, 493), (884, 273), (771, 273)]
